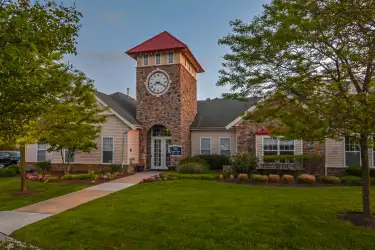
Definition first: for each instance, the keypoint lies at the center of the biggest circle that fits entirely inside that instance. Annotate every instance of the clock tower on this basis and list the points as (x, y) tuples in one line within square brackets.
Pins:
[(166, 84)]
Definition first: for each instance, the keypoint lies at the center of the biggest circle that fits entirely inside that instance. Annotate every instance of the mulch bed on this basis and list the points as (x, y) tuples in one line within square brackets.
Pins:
[(358, 219), (28, 192), (281, 184)]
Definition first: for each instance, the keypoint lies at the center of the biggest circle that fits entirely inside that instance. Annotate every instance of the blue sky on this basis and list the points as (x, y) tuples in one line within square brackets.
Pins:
[(109, 28)]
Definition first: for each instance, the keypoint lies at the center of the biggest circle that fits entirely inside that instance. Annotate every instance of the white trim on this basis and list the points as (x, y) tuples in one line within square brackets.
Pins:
[(230, 145), (200, 144), (148, 78), (113, 150), (360, 153), (47, 153), (116, 114), (65, 155), (278, 145), (143, 60), (235, 121), (156, 55), (172, 57)]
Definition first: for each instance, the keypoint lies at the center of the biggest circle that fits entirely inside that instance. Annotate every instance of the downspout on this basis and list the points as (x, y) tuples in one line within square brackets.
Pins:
[(123, 149)]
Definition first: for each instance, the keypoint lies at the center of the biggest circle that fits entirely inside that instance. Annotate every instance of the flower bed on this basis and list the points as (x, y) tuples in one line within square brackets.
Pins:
[(92, 177)]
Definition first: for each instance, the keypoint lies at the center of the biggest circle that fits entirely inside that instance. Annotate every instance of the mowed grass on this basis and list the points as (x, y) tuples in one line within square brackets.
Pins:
[(8, 201), (188, 214)]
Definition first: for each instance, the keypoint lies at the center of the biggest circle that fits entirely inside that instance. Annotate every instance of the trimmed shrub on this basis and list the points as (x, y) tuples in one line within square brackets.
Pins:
[(351, 180), (330, 179), (208, 176), (116, 168), (221, 177), (243, 163), (353, 171), (7, 172), (243, 178), (274, 178), (76, 177), (15, 168), (259, 178), (231, 177), (194, 159), (292, 157), (288, 178), (213, 162), (306, 179), (192, 168), (44, 165)]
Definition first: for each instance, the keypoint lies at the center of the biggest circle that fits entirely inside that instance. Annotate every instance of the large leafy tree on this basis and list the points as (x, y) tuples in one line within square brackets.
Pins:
[(313, 61), (33, 39), (72, 123)]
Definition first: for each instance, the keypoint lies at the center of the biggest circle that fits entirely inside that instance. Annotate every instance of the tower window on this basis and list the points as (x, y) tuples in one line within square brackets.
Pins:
[(170, 57), (145, 60), (157, 59)]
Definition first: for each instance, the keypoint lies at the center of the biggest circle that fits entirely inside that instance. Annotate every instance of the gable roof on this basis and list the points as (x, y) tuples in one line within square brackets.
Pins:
[(164, 42), (160, 42), (218, 113), (123, 105)]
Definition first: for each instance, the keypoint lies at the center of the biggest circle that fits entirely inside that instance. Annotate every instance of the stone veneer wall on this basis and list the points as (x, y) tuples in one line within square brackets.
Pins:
[(245, 133), (175, 109)]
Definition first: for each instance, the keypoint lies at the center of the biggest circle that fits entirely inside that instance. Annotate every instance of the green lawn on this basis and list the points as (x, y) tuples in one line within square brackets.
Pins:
[(46, 191), (188, 214)]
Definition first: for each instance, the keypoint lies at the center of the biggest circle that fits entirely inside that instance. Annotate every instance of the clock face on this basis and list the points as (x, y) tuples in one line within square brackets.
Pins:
[(158, 83)]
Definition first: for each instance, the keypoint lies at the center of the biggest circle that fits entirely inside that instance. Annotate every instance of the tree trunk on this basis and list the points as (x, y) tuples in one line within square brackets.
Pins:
[(23, 167), (366, 184), (62, 160)]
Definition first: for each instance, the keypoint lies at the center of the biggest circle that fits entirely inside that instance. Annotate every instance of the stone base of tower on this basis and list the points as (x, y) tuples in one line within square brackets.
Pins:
[(153, 146)]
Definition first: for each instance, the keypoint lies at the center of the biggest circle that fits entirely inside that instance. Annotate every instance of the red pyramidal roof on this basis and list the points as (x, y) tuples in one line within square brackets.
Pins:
[(164, 42)]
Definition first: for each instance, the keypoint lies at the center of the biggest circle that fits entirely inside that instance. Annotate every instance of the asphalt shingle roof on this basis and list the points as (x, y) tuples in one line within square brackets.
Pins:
[(218, 113), (124, 105), (215, 113)]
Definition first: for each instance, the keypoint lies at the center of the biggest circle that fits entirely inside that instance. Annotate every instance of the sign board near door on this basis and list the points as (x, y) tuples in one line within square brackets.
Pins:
[(175, 150)]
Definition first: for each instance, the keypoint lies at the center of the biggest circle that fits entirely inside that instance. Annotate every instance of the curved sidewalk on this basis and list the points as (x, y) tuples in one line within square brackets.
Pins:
[(14, 220)]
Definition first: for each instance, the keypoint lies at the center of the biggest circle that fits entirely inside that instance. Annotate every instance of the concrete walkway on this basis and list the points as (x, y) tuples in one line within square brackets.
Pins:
[(14, 220)]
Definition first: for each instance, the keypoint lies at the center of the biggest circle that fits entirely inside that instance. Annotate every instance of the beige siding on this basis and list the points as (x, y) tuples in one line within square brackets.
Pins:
[(298, 146), (179, 58), (114, 127), (335, 153), (31, 153), (215, 140), (133, 146)]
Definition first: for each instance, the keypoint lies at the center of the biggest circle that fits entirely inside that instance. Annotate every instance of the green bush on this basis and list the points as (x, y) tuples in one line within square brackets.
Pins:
[(116, 168), (215, 161), (208, 176), (244, 163), (259, 178), (351, 180), (353, 171), (7, 172), (192, 168), (288, 179), (194, 159), (306, 179), (76, 177), (15, 167), (357, 171), (44, 165), (330, 179)]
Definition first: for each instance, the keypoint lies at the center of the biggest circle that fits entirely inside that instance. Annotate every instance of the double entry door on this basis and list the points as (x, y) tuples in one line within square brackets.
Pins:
[(160, 158)]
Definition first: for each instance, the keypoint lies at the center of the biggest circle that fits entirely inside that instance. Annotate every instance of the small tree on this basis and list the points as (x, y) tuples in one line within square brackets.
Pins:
[(33, 39), (73, 122), (318, 58)]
